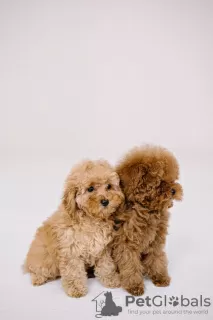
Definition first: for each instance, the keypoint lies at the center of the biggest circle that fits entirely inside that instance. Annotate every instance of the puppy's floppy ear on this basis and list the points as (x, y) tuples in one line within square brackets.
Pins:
[(154, 174), (157, 169), (115, 179), (68, 199)]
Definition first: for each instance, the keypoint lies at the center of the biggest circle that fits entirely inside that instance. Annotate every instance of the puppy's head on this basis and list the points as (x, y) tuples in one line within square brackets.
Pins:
[(93, 187), (148, 176)]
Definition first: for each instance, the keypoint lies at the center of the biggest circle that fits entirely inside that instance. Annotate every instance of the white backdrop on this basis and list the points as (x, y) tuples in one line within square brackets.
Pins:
[(92, 79)]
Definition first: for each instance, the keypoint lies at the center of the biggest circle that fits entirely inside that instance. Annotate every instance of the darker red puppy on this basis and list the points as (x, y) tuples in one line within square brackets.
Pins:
[(148, 179)]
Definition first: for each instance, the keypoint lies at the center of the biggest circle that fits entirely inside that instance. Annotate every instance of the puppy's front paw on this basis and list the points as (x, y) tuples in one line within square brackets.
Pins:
[(73, 290), (112, 281), (161, 281), (136, 289), (76, 292), (37, 280)]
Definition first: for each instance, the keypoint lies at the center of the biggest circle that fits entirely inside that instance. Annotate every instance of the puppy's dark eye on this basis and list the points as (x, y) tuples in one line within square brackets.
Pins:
[(173, 191), (109, 186), (90, 189)]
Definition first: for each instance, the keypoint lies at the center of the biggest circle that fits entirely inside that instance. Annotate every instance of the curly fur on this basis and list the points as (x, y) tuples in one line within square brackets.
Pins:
[(77, 235), (148, 179)]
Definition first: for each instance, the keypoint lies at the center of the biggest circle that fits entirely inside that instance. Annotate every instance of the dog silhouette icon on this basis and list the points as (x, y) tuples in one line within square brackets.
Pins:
[(110, 308)]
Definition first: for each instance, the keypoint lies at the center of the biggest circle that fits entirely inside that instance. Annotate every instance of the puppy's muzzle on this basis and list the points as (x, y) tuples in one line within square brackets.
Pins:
[(104, 202)]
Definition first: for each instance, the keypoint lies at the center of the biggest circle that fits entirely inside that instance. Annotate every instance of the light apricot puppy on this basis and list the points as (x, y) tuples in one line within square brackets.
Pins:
[(77, 235)]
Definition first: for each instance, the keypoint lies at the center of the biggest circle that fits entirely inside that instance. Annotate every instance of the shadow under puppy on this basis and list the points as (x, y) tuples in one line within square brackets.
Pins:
[(77, 235), (148, 179)]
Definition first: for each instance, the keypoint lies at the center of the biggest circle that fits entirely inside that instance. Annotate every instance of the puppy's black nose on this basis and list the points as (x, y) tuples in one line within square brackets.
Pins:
[(105, 202)]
